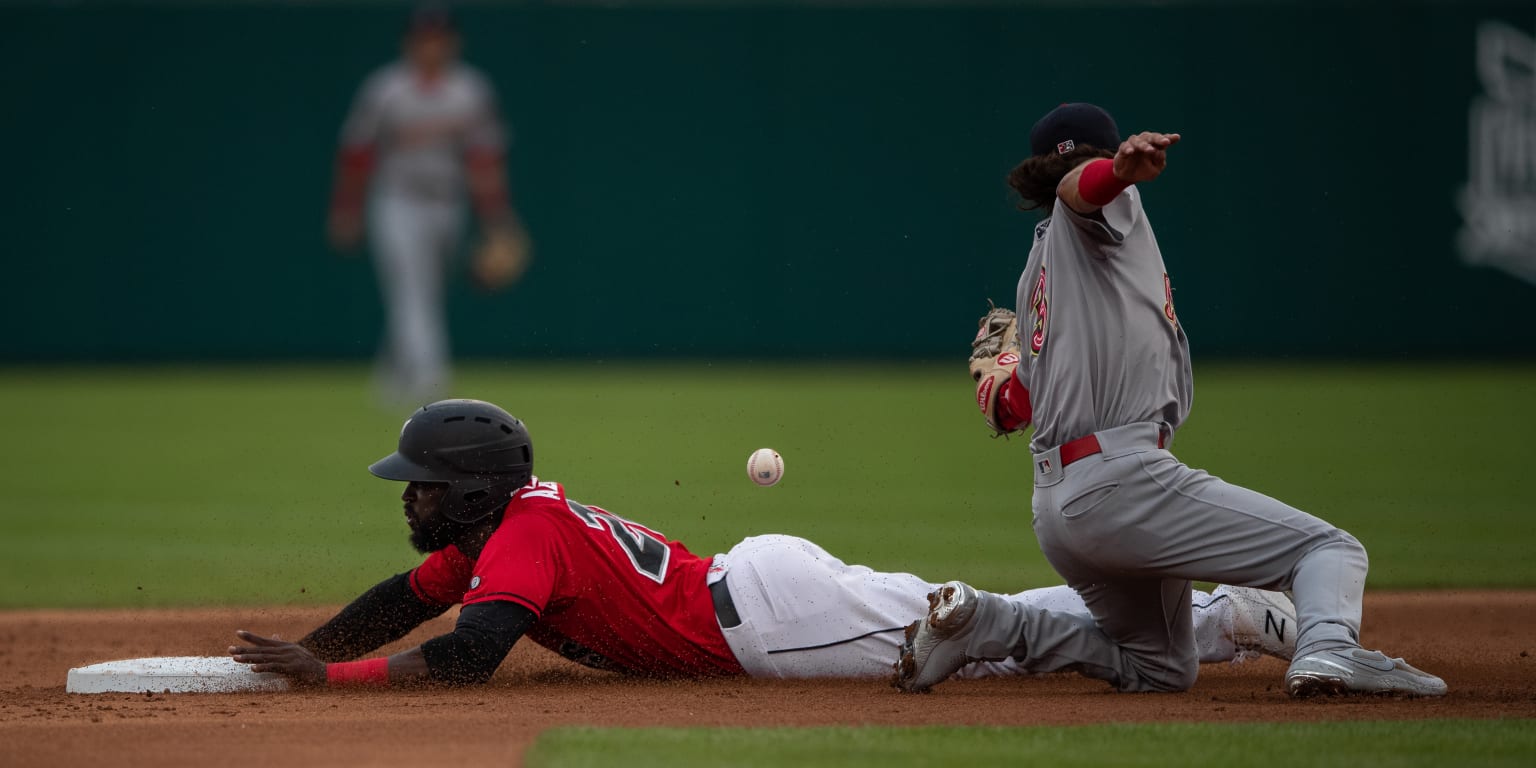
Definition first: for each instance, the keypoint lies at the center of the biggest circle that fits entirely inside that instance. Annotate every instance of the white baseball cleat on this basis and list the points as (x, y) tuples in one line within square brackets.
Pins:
[(1356, 670), (1262, 622), (934, 647)]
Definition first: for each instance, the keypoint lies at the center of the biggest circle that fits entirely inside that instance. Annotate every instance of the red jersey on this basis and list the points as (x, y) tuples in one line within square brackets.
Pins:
[(597, 583)]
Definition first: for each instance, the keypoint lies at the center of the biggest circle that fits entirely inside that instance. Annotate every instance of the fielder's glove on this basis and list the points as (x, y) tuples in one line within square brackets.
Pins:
[(994, 356), (501, 259)]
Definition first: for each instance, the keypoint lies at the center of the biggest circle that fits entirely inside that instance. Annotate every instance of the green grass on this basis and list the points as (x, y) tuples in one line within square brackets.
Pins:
[(128, 487), (1432, 743)]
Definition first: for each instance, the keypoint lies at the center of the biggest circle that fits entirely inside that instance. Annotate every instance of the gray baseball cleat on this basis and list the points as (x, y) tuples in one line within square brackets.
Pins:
[(1356, 670), (934, 647), (1262, 622)]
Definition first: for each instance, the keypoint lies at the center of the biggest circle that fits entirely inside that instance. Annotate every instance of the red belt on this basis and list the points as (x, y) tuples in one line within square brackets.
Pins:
[(1083, 447)]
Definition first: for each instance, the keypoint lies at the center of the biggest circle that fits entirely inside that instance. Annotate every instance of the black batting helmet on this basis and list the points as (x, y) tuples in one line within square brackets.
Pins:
[(482, 452)]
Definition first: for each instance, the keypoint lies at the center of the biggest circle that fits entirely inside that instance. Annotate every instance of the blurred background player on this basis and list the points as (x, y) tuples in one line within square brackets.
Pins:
[(523, 558), (422, 132)]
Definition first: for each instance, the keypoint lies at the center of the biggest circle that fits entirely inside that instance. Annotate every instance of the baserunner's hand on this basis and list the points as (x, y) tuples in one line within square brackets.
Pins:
[(273, 654), (1143, 156)]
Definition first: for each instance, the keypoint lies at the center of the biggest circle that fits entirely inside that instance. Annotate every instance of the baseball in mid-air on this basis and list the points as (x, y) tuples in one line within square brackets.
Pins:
[(765, 466)]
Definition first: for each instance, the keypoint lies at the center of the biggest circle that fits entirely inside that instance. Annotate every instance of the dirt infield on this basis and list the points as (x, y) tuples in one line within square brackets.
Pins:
[(1482, 643)]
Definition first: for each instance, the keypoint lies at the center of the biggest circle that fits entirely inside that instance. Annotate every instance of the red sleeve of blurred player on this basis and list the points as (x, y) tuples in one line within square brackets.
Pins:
[(354, 164)]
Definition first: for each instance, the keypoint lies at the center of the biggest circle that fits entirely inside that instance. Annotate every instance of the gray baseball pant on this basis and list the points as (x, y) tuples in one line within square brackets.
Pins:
[(1129, 528), (412, 242)]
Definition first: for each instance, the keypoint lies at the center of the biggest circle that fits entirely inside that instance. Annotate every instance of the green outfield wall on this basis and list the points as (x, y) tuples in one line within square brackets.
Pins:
[(768, 180)]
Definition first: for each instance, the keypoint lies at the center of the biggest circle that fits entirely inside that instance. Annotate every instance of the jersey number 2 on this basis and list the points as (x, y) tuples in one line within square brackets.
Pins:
[(647, 553)]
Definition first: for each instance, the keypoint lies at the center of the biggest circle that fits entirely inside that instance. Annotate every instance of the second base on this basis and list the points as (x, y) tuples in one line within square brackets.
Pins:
[(172, 674)]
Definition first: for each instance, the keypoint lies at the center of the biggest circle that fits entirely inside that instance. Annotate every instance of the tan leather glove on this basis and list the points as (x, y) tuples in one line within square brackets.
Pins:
[(994, 355)]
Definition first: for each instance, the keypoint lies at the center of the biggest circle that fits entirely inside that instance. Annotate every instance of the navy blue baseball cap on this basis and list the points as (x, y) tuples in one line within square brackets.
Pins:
[(1070, 125)]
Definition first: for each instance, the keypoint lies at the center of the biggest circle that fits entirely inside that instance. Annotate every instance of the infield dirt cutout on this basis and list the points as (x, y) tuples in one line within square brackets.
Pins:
[(1482, 643)]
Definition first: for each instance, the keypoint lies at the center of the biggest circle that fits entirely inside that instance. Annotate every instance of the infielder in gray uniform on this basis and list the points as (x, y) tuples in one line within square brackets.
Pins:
[(423, 130), (1098, 361)]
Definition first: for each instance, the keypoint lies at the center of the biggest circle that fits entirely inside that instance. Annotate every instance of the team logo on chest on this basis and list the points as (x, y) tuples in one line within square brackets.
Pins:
[(1168, 300), (1038, 308)]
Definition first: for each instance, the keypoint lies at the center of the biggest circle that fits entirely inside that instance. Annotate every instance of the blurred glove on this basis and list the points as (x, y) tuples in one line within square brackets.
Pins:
[(501, 259)]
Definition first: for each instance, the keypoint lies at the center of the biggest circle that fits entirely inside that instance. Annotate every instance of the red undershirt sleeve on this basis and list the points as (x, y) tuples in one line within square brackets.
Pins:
[(1014, 410)]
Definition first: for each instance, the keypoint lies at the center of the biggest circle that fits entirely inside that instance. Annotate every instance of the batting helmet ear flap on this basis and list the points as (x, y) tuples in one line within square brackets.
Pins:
[(482, 452), (477, 504)]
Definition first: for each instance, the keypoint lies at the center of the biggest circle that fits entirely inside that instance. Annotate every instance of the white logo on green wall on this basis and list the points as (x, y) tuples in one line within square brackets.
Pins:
[(1498, 204)]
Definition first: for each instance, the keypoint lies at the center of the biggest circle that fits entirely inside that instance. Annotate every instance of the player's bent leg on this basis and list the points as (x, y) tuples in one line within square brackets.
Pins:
[(1067, 637), (1231, 624), (1325, 664), (1058, 599), (1273, 545), (965, 625), (1150, 627), (1185, 523), (1328, 585)]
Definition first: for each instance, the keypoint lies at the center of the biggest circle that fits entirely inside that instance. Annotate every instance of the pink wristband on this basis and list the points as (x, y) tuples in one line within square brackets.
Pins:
[(355, 673), (1098, 184)]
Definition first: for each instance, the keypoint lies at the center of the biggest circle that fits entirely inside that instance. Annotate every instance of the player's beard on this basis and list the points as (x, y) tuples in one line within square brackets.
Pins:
[(436, 534)]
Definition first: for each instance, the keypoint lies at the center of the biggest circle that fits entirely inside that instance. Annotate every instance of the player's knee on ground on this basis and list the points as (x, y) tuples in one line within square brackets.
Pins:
[(1171, 671)]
